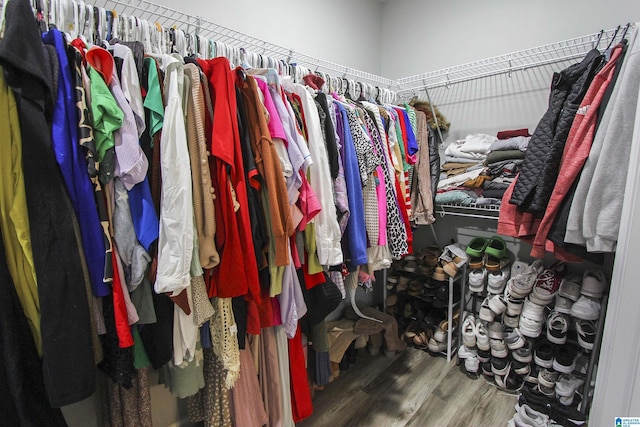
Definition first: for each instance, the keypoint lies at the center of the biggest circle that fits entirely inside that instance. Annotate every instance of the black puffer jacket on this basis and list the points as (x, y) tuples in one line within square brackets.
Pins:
[(542, 161)]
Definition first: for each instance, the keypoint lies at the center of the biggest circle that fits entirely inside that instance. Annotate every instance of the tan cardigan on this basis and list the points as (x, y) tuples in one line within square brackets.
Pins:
[(203, 193)]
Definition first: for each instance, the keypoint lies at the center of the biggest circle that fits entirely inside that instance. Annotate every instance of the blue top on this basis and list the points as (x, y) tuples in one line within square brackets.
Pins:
[(143, 213), (73, 166), (355, 231), (412, 143)]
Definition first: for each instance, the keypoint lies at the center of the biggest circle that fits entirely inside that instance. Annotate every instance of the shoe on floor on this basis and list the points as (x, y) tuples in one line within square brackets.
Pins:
[(593, 283), (527, 416), (436, 346), (465, 352), (471, 364)]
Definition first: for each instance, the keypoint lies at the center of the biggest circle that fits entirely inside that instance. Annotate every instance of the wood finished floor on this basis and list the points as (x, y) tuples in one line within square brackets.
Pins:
[(414, 389)]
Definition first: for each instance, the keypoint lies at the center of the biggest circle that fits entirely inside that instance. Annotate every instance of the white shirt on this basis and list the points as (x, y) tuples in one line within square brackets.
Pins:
[(326, 223), (175, 243)]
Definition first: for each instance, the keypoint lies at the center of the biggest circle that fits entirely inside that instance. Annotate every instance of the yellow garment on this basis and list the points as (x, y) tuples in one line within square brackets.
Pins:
[(14, 220), (476, 182), (313, 263)]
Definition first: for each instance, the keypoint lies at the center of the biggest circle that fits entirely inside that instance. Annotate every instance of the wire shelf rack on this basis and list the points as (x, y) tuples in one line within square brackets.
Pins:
[(470, 211), (512, 62), (168, 17)]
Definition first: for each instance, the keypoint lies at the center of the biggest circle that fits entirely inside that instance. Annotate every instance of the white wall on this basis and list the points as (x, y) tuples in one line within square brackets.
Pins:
[(346, 32), (420, 36)]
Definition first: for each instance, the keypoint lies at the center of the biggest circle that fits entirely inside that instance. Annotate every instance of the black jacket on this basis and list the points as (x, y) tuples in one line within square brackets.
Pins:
[(68, 360), (434, 161), (540, 168)]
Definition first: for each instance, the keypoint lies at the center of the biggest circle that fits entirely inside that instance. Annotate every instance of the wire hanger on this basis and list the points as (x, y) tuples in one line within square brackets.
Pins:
[(613, 38)]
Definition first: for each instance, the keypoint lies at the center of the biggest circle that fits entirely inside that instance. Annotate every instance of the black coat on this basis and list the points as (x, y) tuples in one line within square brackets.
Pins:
[(541, 165), (68, 360)]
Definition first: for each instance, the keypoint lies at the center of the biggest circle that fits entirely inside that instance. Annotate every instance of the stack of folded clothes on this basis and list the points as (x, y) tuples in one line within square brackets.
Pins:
[(478, 169)]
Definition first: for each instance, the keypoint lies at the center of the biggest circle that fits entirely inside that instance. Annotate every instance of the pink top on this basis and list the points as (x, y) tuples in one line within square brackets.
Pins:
[(382, 207), (275, 124)]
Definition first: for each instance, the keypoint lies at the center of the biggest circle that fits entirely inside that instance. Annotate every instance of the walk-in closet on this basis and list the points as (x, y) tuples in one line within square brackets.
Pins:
[(361, 213)]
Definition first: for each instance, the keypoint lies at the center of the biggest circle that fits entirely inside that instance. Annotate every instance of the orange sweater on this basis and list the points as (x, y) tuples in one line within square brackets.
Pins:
[(270, 170)]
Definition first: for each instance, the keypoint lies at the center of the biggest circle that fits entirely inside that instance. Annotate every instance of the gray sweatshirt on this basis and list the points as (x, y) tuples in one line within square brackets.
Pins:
[(594, 217)]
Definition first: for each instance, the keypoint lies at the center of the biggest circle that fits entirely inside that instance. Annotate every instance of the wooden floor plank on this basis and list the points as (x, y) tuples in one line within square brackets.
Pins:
[(413, 389)]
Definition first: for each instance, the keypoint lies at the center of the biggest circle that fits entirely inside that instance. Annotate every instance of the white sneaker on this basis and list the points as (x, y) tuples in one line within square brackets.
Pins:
[(522, 283), (511, 320), (469, 331), (567, 385), (532, 310), (485, 311), (514, 339), (476, 279), (563, 304), (497, 280), (472, 364), (529, 417), (498, 348), (464, 352), (570, 287), (530, 328), (497, 304), (586, 308), (557, 328), (482, 339), (593, 283)]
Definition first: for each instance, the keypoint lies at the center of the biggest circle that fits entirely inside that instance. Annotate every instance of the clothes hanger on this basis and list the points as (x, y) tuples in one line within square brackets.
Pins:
[(613, 38), (624, 32)]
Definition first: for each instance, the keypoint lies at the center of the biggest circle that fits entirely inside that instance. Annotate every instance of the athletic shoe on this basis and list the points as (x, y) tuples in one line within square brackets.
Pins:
[(486, 369), (557, 327), (566, 387), (532, 376), (498, 348), (543, 354), (472, 364), (525, 353), (593, 283), (545, 287), (511, 320), (477, 277), (566, 416), (484, 355), (464, 352), (564, 360), (527, 416), (482, 339), (586, 330), (570, 287), (497, 280), (469, 331), (563, 305), (547, 391), (514, 305), (495, 330), (532, 310), (586, 308), (436, 346), (548, 377), (485, 311), (520, 285), (530, 328), (499, 366), (520, 368), (514, 339), (497, 304)]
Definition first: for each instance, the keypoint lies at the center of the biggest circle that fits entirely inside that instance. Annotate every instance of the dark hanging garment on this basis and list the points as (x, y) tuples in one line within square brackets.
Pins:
[(67, 360), (23, 399)]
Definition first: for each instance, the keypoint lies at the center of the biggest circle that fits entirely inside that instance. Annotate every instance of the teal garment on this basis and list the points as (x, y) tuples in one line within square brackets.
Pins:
[(153, 100), (454, 197), (187, 379), (140, 358)]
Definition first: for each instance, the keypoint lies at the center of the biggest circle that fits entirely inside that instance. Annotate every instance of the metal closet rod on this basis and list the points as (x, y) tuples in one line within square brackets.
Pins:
[(167, 16), (506, 64)]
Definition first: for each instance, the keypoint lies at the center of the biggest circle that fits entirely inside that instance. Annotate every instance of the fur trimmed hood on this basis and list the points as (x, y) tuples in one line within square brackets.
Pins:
[(425, 107)]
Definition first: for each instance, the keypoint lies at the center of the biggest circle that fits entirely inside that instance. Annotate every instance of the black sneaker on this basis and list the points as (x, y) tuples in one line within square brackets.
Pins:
[(564, 415), (486, 369), (484, 355), (565, 359), (532, 376), (520, 368), (524, 354), (499, 365), (543, 354)]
